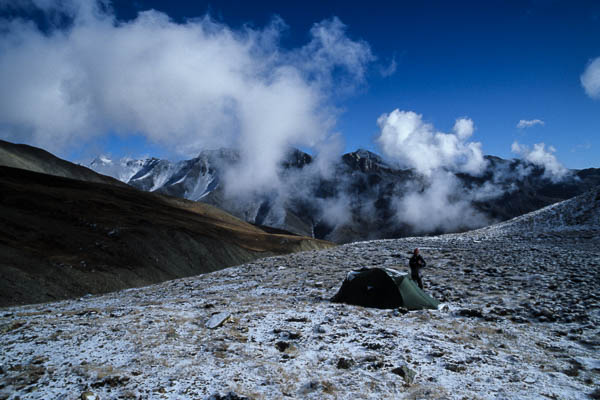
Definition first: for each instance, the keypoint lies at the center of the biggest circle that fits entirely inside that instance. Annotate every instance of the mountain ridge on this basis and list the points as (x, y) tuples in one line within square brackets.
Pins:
[(369, 188)]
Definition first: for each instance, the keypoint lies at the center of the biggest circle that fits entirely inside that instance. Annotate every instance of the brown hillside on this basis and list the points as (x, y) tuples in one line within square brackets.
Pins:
[(37, 160), (64, 238)]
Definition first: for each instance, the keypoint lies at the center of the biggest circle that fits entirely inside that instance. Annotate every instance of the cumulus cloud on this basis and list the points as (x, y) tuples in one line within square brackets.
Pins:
[(407, 139), (187, 87), (528, 123), (543, 158), (464, 128), (590, 79)]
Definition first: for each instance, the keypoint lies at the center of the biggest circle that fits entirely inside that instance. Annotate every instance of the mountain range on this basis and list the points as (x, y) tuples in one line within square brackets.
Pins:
[(361, 196)]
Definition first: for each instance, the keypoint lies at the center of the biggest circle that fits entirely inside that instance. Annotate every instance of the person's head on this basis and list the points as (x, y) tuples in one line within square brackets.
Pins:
[(416, 252)]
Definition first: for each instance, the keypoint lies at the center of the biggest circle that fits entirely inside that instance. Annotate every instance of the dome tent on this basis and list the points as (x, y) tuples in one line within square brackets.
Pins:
[(383, 288)]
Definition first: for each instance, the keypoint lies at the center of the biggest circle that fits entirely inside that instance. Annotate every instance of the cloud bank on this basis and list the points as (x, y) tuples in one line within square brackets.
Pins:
[(187, 87), (442, 205), (590, 79), (408, 140), (528, 123)]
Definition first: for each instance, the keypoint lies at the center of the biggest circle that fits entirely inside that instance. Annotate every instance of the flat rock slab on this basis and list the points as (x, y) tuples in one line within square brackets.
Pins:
[(217, 320)]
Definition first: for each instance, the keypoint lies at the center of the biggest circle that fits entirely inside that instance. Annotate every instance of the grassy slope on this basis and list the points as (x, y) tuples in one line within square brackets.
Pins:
[(63, 238)]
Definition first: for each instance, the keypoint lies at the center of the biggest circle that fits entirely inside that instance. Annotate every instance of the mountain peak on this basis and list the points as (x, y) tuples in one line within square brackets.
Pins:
[(364, 160)]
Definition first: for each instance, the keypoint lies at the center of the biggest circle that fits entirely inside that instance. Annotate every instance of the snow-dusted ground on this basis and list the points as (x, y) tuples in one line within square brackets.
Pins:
[(521, 320)]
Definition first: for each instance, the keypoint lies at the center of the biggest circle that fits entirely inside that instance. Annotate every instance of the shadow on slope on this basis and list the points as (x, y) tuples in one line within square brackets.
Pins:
[(64, 238)]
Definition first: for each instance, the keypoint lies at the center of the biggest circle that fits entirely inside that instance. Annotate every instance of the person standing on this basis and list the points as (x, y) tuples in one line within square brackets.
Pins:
[(416, 263)]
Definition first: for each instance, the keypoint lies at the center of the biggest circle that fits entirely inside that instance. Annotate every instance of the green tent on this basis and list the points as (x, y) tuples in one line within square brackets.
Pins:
[(383, 288)]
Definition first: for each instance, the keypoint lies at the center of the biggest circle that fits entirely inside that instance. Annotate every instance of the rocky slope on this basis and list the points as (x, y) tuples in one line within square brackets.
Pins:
[(521, 319), (64, 238)]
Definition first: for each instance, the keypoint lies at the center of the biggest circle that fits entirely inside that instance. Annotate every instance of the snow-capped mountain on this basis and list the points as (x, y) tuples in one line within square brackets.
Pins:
[(362, 197), (122, 169), (190, 179)]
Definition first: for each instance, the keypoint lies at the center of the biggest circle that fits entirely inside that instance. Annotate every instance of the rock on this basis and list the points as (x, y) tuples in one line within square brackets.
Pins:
[(595, 394), (406, 373), (228, 396), (297, 319), (437, 354), (112, 381), (282, 346), (309, 387), (319, 329), (217, 320), (465, 312), (573, 371), (455, 367), (287, 335), (372, 346), (344, 363), (402, 310), (89, 396)]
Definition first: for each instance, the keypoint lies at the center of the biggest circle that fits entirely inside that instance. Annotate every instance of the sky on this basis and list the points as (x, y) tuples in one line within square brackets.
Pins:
[(444, 80)]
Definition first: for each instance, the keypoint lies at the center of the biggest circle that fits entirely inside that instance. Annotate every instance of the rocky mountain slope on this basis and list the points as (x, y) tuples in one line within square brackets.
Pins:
[(578, 216), (520, 319), (63, 238), (365, 187)]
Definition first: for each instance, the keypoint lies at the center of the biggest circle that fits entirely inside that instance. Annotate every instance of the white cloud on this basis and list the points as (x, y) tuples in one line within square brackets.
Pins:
[(528, 123), (187, 87), (330, 49), (407, 139), (442, 205), (464, 128), (541, 157), (590, 79)]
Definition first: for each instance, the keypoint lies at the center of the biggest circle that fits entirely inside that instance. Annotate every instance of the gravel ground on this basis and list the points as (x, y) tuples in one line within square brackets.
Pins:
[(520, 320)]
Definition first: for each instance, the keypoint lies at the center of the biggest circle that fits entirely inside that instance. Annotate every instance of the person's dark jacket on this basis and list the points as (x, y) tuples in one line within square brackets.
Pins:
[(416, 263)]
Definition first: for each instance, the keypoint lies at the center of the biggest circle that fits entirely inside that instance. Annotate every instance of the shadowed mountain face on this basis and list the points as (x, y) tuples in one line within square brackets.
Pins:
[(62, 238), (370, 191)]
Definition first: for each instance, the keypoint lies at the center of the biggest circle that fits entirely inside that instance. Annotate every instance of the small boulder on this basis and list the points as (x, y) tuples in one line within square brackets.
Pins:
[(228, 396), (465, 312), (217, 320), (282, 346), (89, 396), (406, 373), (345, 363), (595, 394)]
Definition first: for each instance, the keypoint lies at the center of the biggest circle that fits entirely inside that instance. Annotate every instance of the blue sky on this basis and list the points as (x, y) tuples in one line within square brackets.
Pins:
[(495, 62)]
